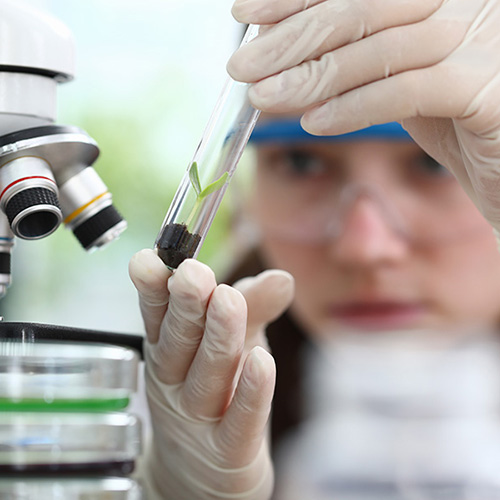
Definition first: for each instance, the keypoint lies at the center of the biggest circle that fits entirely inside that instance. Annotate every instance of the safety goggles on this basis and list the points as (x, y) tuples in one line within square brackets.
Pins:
[(308, 195)]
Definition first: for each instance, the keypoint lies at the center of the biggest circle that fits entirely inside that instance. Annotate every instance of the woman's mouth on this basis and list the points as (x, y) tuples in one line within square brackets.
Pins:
[(378, 315)]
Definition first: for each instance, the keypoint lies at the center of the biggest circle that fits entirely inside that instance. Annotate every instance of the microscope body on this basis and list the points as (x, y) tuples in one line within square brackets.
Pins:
[(46, 173)]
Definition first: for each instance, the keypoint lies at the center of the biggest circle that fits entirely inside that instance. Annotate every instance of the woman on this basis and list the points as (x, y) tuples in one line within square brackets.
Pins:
[(379, 238), (404, 252)]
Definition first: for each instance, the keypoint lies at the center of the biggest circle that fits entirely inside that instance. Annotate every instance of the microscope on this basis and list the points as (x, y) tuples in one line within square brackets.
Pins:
[(46, 173), (65, 429)]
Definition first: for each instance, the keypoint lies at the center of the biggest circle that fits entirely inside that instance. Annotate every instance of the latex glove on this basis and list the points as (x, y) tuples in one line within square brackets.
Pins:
[(433, 65), (209, 378)]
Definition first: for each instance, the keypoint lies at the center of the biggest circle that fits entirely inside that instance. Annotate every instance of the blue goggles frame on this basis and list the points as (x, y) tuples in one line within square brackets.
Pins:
[(289, 130)]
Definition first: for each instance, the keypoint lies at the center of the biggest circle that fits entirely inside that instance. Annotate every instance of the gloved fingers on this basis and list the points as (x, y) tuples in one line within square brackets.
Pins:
[(241, 432), (150, 275), (267, 295), (259, 12), (190, 287), (236, 318), (210, 381), (383, 54), (318, 30), (405, 95)]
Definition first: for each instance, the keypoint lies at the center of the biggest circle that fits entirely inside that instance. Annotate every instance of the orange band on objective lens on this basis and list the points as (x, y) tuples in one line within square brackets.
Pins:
[(78, 211)]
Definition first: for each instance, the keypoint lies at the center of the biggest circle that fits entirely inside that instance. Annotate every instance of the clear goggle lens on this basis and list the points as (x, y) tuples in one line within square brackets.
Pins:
[(319, 205)]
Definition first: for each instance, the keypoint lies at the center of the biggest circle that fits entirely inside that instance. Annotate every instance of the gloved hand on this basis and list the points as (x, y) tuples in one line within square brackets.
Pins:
[(433, 65), (209, 378)]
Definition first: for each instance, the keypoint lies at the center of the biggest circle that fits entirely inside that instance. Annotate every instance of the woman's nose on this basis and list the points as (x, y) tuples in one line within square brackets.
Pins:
[(367, 236)]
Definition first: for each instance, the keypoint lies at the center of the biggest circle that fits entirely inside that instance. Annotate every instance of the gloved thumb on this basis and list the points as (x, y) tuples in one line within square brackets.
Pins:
[(268, 295)]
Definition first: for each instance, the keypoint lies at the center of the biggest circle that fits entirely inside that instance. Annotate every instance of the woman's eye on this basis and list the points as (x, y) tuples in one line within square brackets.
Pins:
[(428, 166), (302, 164)]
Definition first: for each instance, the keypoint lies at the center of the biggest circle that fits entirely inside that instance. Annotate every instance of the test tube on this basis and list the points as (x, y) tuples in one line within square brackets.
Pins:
[(204, 183)]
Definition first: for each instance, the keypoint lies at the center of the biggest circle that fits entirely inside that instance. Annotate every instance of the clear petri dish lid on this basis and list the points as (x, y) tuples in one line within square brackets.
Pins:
[(58, 375), (70, 489), (69, 443), (28, 332)]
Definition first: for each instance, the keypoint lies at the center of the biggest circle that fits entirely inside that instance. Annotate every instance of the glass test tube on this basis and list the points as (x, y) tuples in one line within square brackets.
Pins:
[(203, 186)]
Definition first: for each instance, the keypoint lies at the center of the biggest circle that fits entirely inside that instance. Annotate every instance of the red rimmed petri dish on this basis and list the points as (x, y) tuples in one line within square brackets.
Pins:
[(68, 444)]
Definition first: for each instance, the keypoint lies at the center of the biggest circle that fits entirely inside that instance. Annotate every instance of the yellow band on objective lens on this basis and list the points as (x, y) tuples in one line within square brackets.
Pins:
[(78, 211)]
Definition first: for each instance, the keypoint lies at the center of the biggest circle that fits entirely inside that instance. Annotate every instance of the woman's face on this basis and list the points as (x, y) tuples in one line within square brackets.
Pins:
[(378, 237)]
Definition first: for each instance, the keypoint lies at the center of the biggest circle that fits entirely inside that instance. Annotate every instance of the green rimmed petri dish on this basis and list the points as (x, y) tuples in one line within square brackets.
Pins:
[(66, 376)]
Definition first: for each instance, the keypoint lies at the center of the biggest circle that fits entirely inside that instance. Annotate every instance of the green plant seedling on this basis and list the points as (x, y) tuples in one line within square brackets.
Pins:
[(194, 177)]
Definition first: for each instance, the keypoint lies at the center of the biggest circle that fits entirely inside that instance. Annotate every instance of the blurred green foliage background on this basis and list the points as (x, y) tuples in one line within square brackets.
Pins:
[(148, 75)]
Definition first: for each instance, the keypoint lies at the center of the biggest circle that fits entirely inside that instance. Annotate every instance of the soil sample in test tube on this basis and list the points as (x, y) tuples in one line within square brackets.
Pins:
[(177, 243)]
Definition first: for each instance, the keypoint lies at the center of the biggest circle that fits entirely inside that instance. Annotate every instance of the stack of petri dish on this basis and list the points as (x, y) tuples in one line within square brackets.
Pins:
[(65, 432)]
